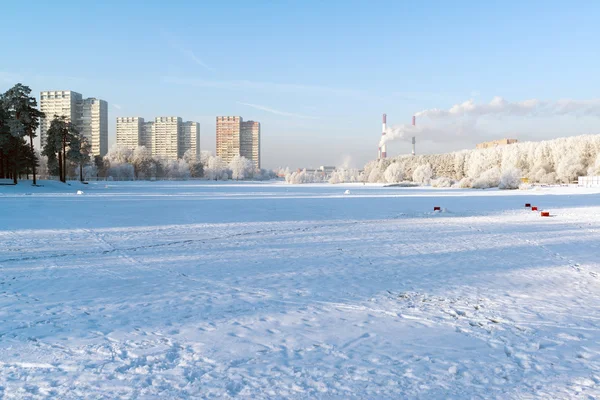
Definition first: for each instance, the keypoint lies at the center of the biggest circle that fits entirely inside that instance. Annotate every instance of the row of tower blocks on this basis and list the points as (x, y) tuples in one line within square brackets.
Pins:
[(165, 137), (171, 137), (90, 116)]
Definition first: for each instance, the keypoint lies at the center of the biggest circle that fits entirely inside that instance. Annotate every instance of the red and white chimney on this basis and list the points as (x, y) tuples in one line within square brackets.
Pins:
[(414, 141), (383, 150)]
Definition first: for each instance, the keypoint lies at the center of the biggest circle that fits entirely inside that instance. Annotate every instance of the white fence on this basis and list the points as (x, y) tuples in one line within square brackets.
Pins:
[(589, 181)]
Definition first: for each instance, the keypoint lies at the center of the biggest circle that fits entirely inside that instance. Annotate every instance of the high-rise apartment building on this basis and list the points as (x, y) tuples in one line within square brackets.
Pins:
[(90, 116), (250, 142), (236, 137), (165, 141), (94, 125), (228, 137), (189, 138), (61, 103), (130, 131), (147, 135)]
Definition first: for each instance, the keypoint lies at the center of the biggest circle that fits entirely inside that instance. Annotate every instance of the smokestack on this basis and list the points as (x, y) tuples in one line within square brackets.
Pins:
[(414, 141), (383, 150)]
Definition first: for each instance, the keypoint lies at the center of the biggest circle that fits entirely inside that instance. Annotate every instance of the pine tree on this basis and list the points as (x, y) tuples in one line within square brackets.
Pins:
[(4, 141), (24, 119), (79, 152), (62, 142)]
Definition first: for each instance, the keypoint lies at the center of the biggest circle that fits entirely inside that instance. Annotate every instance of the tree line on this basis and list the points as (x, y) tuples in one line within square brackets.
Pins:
[(19, 121)]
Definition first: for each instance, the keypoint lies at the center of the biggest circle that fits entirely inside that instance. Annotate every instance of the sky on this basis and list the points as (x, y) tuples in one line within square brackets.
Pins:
[(317, 75)]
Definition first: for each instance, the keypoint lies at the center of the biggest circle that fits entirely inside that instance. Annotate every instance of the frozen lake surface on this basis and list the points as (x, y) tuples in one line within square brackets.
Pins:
[(162, 290)]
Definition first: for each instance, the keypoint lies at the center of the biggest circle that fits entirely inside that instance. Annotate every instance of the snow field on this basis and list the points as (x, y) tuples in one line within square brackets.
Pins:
[(175, 290)]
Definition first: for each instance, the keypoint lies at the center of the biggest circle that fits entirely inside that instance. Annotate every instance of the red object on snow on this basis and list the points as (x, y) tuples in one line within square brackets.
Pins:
[(534, 209), (545, 213), (527, 205), (437, 209)]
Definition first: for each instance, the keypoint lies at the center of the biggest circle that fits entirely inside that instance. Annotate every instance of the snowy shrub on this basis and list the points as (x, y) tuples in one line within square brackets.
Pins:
[(423, 174), (241, 168), (549, 179), (121, 172), (216, 168), (442, 182), (464, 183), (90, 171), (569, 169), (594, 169), (344, 176), (510, 179), (375, 176), (304, 176), (488, 179), (176, 169), (119, 155), (144, 164), (394, 173)]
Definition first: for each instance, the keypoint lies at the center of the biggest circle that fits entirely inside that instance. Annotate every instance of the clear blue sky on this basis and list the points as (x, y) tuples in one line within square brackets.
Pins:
[(317, 75)]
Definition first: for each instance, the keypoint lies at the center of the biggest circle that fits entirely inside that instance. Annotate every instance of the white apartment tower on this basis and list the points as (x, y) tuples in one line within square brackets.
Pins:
[(189, 138), (236, 137), (147, 135), (250, 142), (94, 125), (165, 141), (130, 131), (90, 117), (62, 103)]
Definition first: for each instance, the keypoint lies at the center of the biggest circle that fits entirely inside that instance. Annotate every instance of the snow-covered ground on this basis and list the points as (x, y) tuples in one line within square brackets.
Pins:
[(184, 289)]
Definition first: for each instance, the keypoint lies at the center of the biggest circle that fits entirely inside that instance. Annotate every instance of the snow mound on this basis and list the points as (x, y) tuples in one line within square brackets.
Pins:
[(80, 192), (347, 192)]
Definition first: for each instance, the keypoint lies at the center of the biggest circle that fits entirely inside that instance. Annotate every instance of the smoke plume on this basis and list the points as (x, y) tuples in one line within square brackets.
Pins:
[(460, 120)]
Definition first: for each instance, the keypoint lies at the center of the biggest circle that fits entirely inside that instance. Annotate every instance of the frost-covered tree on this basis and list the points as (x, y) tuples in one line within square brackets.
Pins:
[(120, 172), (118, 154), (304, 176), (216, 169), (548, 162), (594, 169), (241, 168), (144, 165), (176, 169), (90, 171), (79, 153), (442, 182), (570, 168), (394, 173), (423, 174), (488, 179), (510, 179), (344, 175)]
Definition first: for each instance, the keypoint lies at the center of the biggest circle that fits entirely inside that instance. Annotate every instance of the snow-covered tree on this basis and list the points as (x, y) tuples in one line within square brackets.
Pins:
[(394, 173), (143, 163), (488, 179), (423, 174), (344, 175), (442, 182), (570, 168), (510, 179), (216, 169), (121, 172), (118, 154), (241, 168), (594, 169)]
